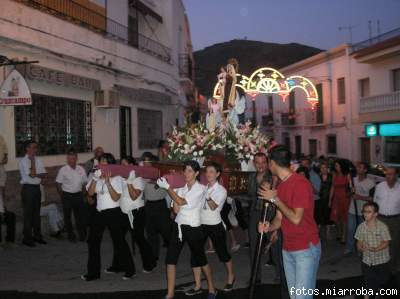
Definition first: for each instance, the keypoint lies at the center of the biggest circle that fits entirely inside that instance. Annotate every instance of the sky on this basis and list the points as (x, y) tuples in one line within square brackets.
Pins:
[(310, 22)]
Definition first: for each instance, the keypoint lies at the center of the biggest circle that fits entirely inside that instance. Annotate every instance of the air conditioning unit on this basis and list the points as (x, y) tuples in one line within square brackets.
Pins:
[(106, 99)]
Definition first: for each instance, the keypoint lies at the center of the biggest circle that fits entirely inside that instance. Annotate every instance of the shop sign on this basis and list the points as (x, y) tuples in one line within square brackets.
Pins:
[(389, 129), (15, 91), (39, 73), (371, 130)]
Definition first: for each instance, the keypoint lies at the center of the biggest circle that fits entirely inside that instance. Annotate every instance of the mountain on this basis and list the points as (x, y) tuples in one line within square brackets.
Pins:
[(251, 56)]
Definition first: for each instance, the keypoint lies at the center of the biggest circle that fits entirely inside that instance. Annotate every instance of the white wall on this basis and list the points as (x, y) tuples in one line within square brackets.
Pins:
[(341, 120), (29, 33)]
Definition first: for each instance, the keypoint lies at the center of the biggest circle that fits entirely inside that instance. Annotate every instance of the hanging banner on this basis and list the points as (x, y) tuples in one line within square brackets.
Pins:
[(15, 91)]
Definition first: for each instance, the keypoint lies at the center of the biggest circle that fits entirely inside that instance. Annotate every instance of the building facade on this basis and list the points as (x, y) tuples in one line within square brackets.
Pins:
[(358, 86), (116, 74)]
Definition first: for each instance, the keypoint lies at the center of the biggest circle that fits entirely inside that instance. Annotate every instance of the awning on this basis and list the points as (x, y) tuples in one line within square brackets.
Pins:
[(145, 9)]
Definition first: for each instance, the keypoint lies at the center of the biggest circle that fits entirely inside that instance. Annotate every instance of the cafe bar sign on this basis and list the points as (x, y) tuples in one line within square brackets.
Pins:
[(51, 76), (14, 90)]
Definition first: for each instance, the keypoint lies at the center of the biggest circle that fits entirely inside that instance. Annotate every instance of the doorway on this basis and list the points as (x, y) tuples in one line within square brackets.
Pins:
[(312, 145), (125, 131), (366, 149)]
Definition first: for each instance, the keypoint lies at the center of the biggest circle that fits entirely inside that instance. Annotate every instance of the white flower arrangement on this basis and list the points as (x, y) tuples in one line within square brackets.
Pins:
[(240, 143)]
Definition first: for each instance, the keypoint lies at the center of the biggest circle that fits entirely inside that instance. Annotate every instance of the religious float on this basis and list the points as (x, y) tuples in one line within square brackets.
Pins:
[(225, 137)]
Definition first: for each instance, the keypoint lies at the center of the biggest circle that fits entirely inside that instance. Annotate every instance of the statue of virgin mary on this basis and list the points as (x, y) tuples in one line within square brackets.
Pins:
[(233, 99)]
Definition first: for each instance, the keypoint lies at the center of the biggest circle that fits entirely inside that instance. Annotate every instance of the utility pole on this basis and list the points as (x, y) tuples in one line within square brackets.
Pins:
[(370, 29), (350, 29), (378, 27)]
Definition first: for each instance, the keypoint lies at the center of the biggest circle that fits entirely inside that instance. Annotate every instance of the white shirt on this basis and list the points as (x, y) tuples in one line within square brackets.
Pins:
[(24, 166), (189, 214), (127, 203), (388, 199), (361, 188), (104, 200), (218, 195), (71, 179)]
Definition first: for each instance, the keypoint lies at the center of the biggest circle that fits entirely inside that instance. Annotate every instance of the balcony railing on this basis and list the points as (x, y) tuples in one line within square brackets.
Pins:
[(185, 66), (313, 118), (134, 39), (372, 41), (288, 119), (97, 21), (379, 103), (267, 120)]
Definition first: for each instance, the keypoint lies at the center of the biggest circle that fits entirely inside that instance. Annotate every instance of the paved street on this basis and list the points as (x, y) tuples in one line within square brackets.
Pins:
[(56, 267)]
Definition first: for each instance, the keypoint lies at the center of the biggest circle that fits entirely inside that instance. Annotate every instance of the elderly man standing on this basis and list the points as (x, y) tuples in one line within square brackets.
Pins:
[(387, 196), (70, 181), (256, 179), (90, 164)]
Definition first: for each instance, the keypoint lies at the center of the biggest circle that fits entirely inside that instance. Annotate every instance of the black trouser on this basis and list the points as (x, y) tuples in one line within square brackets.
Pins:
[(254, 219), (73, 202), (217, 234), (138, 237), (375, 277), (194, 237), (9, 220), (276, 250), (89, 210), (239, 215), (31, 197), (158, 221), (112, 219)]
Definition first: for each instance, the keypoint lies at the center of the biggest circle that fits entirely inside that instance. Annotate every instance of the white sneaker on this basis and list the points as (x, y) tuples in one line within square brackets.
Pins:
[(235, 248), (128, 277)]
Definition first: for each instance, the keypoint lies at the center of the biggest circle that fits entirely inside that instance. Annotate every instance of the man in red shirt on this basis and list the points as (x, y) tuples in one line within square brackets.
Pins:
[(294, 199)]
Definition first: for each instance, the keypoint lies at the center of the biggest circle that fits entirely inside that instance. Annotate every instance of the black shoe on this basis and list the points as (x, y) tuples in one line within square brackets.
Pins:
[(87, 277), (258, 282), (72, 238), (229, 286), (150, 269), (56, 235), (193, 292), (29, 243), (40, 241)]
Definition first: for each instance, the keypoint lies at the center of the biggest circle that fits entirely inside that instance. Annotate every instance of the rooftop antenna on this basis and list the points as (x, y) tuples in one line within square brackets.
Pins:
[(370, 29), (350, 29), (378, 27)]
